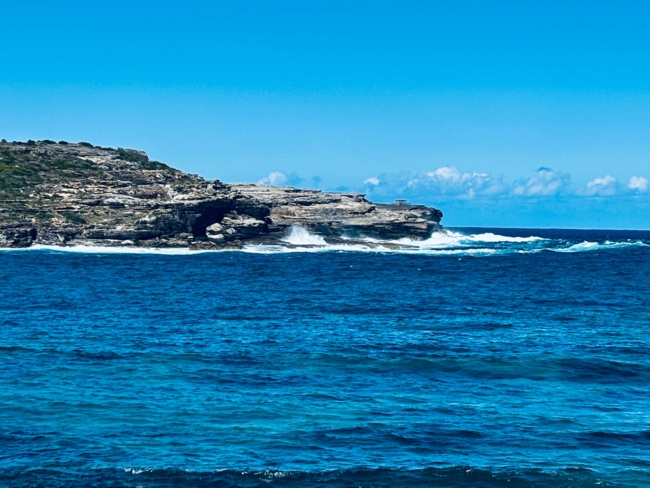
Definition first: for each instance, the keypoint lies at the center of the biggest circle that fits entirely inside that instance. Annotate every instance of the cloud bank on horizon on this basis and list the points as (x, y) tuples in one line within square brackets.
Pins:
[(448, 182), (547, 198)]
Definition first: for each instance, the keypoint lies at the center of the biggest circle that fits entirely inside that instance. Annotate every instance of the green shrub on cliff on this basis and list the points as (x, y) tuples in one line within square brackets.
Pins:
[(157, 165), (23, 169), (132, 156), (73, 217), (72, 164), (138, 157)]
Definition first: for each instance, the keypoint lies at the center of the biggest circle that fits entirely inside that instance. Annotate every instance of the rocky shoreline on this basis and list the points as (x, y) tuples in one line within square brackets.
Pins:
[(66, 194)]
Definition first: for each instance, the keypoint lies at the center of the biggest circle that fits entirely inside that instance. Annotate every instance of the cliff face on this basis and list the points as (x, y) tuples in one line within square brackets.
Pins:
[(67, 194), (343, 214)]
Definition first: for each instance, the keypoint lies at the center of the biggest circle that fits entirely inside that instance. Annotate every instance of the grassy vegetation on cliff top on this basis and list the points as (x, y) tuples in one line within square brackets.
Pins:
[(25, 165)]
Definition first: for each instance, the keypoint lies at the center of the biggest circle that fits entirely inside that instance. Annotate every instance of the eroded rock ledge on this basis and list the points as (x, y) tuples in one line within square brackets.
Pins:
[(79, 194)]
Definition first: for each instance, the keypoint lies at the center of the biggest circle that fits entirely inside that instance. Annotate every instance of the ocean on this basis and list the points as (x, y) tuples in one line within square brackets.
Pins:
[(477, 358)]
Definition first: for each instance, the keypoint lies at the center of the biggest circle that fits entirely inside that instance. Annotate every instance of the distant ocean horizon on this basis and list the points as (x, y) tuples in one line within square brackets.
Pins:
[(480, 357)]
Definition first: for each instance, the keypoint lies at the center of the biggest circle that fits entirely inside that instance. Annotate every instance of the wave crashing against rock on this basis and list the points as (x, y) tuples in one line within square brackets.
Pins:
[(79, 194)]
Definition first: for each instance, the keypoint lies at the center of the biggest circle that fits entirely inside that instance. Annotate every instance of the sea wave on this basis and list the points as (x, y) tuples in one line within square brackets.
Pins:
[(490, 237), (455, 476), (587, 246), (300, 236), (451, 238), (262, 249), (440, 243), (171, 251)]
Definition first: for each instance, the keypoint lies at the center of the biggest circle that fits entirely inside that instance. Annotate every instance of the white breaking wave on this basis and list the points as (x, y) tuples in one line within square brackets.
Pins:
[(455, 239), (437, 239), (581, 247), (587, 246), (489, 237), (442, 243), (298, 236), (180, 251), (262, 249)]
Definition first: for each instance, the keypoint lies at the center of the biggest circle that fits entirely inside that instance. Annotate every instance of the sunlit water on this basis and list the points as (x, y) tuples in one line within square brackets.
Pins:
[(475, 358)]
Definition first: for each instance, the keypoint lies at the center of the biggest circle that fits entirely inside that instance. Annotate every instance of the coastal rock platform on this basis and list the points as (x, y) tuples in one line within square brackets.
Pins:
[(68, 194)]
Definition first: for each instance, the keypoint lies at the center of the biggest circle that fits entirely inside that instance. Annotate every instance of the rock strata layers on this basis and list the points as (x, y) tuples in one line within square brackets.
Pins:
[(78, 194), (337, 215)]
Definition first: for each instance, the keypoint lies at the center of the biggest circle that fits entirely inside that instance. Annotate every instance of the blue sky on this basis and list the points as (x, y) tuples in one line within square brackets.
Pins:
[(500, 113)]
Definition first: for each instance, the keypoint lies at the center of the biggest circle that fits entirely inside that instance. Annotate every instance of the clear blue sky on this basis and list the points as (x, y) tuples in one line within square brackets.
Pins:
[(380, 92)]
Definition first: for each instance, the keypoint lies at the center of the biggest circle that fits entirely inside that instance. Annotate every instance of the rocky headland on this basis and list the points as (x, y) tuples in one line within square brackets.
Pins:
[(65, 194)]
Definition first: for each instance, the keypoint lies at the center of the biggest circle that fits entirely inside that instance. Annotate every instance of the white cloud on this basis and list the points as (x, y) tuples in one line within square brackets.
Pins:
[(601, 187), (373, 180), (445, 181), (638, 183), (546, 183), (450, 183), (278, 178)]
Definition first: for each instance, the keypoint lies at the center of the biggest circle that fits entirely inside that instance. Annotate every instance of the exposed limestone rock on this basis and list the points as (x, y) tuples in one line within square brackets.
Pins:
[(67, 194), (339, 214), (237, 227)]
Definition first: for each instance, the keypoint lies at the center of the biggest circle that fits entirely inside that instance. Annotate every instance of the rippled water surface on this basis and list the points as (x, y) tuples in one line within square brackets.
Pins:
[(480, 358)]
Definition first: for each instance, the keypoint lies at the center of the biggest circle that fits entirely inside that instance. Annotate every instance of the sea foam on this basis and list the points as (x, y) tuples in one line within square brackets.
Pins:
[(299, 236), (587, 246), (450, 238), (440, 243), (173, 251)]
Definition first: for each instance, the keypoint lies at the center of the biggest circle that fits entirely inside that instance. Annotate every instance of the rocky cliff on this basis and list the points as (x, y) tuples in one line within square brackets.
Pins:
[(68, 194)]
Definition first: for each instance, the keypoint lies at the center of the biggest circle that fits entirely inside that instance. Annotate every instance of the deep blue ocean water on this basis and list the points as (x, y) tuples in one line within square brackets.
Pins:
[(477, 361)]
